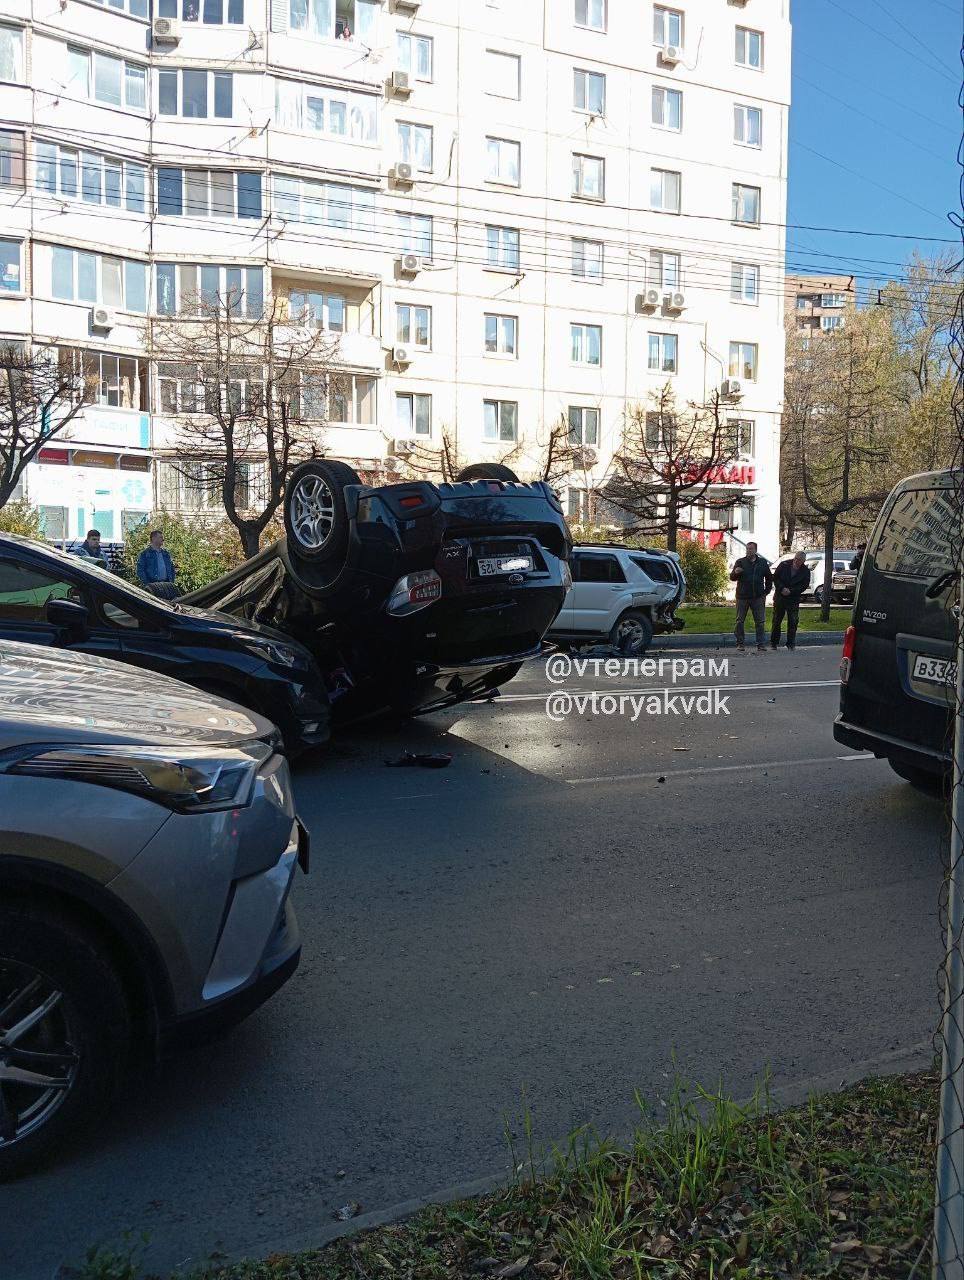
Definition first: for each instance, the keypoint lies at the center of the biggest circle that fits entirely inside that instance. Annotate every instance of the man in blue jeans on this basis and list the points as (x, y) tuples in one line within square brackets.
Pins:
[(155, 568), (754, 582)]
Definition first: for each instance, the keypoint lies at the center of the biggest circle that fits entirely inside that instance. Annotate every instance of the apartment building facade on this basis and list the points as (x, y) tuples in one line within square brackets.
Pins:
[(819, 304), (511, 212)]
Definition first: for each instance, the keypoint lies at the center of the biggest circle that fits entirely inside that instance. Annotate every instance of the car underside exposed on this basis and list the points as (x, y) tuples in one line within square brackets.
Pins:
[(412, 596)]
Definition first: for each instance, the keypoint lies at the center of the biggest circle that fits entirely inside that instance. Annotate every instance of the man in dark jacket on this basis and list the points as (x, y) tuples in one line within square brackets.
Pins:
[(858, 559), (754, 581), (791, 579)]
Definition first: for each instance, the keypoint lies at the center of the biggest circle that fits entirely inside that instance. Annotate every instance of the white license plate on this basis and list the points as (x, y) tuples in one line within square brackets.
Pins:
[(489, 565), (935, 670)]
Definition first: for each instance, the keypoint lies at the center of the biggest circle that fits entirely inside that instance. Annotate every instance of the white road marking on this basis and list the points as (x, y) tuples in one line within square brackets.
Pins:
[(717, 768), (655, 689)]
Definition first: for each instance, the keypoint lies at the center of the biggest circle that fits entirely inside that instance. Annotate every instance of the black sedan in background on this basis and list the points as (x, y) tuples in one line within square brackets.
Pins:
[(50, 598), (412, 596)]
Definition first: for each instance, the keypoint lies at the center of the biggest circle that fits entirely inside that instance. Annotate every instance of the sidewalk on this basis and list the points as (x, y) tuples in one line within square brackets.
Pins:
[(726, 640)]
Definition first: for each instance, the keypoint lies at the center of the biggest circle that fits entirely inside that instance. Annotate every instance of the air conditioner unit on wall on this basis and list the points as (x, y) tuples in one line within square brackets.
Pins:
[(407, 6), (669, 55), (647, 301), (401, 355), (403, 447), (731, 387), (409, 264), (401, 83), (403, 173), (102, 318), (674, 301), (166, 30)]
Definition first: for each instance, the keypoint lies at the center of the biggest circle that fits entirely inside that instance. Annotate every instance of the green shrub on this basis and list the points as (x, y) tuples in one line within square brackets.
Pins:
[(705, 570), (202, 550), (21, 517)]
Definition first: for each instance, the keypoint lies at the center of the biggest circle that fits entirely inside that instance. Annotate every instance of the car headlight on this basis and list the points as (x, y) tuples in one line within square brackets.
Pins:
[(566, 575), (282, 655), (190, 780)]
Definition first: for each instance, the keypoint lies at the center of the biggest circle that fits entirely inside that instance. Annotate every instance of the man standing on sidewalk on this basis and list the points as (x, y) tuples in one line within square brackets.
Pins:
[(790, 579), (754, 581)]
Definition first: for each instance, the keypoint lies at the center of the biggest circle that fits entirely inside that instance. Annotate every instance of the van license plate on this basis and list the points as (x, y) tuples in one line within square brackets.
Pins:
[(935, 670), (490, 565)]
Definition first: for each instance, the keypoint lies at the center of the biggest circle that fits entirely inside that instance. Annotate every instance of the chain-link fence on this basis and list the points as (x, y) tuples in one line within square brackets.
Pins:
[(949, 1198)]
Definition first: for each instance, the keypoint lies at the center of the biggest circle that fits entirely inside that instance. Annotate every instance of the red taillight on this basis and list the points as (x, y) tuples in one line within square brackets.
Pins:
[(413, 501), (847, 656)]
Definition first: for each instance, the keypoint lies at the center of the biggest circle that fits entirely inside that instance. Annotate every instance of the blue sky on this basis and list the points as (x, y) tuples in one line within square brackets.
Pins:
[(875, 85)]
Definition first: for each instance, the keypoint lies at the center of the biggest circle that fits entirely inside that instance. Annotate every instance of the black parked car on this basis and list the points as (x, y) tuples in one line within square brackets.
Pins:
[(412, 596), (51, 598), (899, 668)]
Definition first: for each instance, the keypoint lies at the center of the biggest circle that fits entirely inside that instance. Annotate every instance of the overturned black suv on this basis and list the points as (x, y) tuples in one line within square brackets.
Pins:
[(412, 596)]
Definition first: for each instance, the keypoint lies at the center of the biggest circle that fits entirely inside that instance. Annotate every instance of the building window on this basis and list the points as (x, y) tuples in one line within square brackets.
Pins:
[(328, 204), (90, 176), (667, 108), (503, 74), (588, 177), (589, 92), (502, 248), (188, 288), (335, 19), (802, 302), (583, 426), (119, 382), (746, 204), (95, 278), (202, 193), (502, 161), (316, 309), (414, 54), (662, 353), (11, 276), (831, 322), (667, 26), (591, 14), (335, 113), (415, 145), (588, 259), (745, 282), (211, 13), (11, 159), (501, 334), (738, 437), (749, 48), (586, 344), (11, 54), (195, 95), (665, 270), (500, 420), (743, 360), (413, 414), (101, 78), (416, 234), (664, 190), (351, 399), (747, 126), (833, 299), (413, 325)]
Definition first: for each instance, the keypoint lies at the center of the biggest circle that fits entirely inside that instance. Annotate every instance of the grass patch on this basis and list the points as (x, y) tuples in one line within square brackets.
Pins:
[(839, 1187), (721, 618)]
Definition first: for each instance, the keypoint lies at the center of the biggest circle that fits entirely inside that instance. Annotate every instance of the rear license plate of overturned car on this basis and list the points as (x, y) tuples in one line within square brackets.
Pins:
[(935, 670), (489, 565)]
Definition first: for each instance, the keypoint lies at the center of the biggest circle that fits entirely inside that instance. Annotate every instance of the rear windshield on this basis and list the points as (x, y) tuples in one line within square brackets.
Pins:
[(914, 540)]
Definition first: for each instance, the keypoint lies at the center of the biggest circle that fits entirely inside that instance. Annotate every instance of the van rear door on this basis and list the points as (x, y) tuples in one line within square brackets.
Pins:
[(903, 674)]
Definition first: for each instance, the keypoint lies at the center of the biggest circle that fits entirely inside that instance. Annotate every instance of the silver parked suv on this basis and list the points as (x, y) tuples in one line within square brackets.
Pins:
[(148, 842)]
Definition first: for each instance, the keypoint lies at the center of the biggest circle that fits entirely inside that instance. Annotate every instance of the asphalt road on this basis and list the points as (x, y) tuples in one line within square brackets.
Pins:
[(545, 922)]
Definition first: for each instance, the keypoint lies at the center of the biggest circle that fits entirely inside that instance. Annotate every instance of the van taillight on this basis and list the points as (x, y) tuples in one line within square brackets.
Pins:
[(847, 657)]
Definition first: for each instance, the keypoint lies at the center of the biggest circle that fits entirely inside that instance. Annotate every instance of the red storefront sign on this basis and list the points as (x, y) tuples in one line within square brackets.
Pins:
[(734, 473)]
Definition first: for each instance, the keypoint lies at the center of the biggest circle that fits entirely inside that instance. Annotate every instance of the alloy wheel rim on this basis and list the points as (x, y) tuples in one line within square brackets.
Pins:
[(312, 510), (629, 634), (38, 1058)]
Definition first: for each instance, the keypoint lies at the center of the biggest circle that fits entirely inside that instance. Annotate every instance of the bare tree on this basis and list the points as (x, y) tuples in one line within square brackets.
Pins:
[(840, 413), (40, 395), (444, 461), (248, 398), (668, 463)]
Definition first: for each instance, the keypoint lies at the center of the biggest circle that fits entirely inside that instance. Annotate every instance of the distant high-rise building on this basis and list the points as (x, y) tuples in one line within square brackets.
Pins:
[(817, 304)]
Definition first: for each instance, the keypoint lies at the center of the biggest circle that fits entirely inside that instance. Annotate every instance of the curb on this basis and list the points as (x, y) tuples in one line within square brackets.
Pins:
[(726, 640), (916, 1057)]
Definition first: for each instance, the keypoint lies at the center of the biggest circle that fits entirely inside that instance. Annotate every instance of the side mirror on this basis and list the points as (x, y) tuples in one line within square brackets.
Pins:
[(70, 615)]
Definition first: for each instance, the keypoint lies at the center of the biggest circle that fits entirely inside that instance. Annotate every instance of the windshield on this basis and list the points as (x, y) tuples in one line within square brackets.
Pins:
[(914, 539)]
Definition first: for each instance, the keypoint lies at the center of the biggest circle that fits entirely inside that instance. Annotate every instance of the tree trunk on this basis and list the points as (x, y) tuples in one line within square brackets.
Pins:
[(829, 535), (790, 532), (250, 538), (672, 531)]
